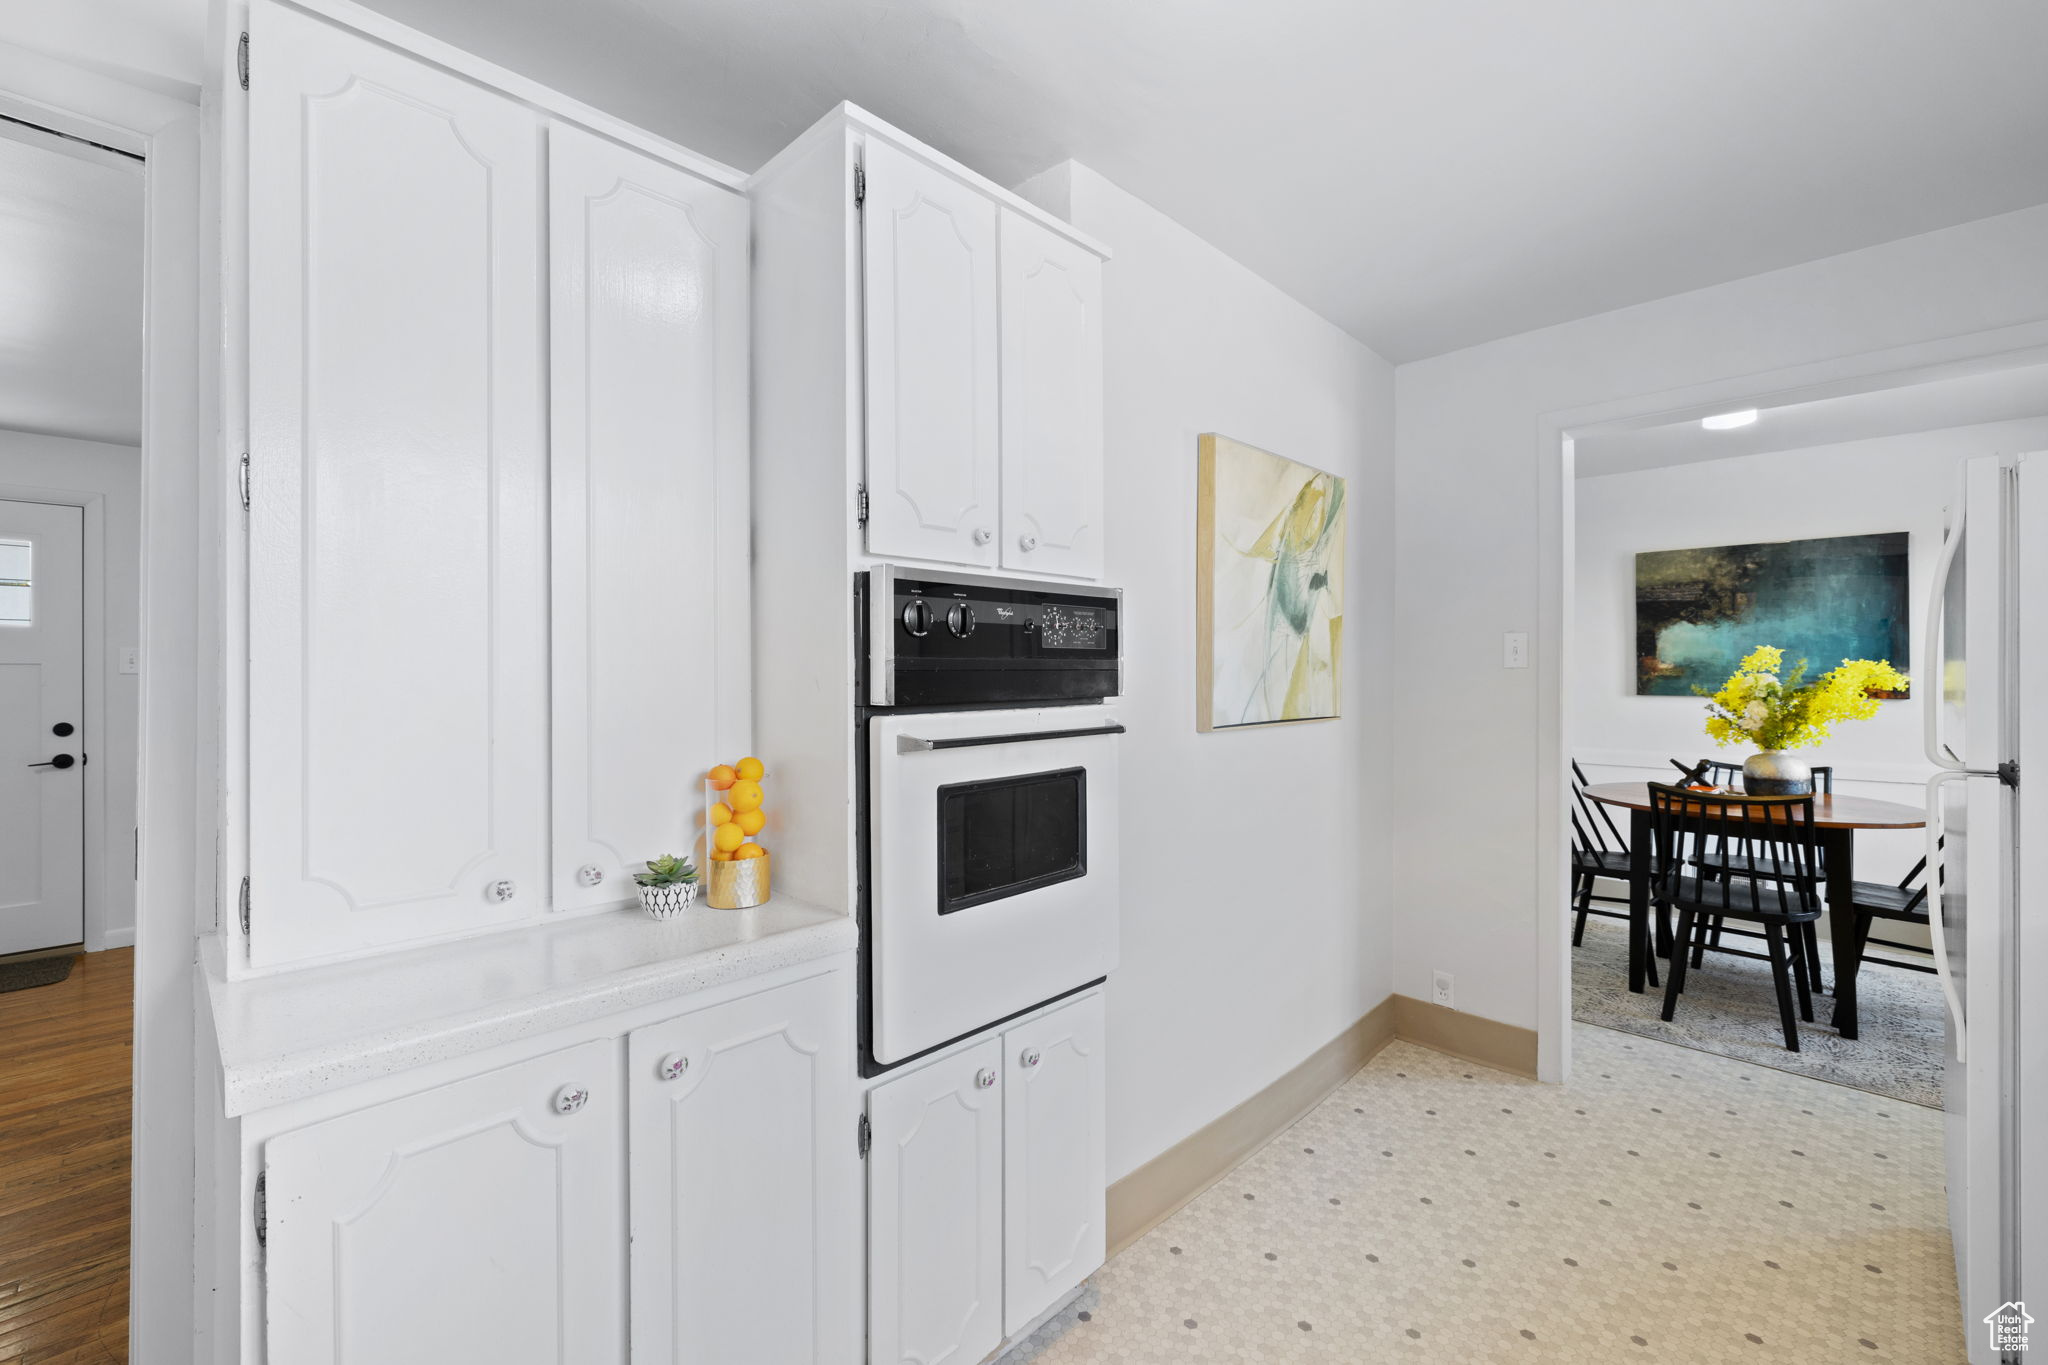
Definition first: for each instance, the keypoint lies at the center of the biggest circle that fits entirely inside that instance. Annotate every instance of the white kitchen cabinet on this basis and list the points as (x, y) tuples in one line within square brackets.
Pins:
[(935, 1212), (647, 285), (398, 483), (746, 1182), (986, 1184), (929, 251), (1052, 401), (1054, 1159), (482, 1220)]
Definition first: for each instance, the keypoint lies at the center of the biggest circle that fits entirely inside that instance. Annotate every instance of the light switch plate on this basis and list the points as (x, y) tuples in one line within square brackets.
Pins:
[(1514, 649), (131, 659)]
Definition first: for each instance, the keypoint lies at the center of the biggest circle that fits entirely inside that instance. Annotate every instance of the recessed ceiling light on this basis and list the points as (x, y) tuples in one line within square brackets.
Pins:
[(1728, 421)]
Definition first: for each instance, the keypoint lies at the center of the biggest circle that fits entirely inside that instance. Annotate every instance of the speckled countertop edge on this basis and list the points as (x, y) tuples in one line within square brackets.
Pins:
[(256, 1078)]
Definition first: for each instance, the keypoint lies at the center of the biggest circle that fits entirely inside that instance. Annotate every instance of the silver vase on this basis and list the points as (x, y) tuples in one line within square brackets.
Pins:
[(1774, 772)]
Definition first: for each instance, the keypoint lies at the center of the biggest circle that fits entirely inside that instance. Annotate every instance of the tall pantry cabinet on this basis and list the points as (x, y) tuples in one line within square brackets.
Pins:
[(497, 504)]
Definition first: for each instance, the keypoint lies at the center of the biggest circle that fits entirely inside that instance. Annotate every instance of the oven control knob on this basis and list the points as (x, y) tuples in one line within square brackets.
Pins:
[(917, 617), (960, 619)]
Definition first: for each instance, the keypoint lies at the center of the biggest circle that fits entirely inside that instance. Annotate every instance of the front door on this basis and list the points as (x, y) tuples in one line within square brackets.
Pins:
[(42, 754)]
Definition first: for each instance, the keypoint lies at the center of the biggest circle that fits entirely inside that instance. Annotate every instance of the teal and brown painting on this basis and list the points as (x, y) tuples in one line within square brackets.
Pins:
[(1699, 611)]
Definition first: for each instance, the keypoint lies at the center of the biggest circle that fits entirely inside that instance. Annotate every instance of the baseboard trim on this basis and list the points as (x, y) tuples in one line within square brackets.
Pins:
[(1170, 1181), (123, 937), (1505, 1047)]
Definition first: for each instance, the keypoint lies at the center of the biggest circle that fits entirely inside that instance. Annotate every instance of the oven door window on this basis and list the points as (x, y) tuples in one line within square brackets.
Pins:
[(1008, 835)]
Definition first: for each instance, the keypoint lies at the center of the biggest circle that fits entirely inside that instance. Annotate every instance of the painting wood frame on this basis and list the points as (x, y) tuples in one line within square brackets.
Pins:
[(1209, 447)]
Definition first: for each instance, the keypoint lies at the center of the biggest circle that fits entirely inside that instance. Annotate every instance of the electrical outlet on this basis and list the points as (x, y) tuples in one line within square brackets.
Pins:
[(1514, 649), (1442, 994)]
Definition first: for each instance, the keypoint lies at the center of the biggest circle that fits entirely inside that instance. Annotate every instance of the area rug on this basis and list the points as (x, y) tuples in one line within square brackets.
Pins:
[(1731, 1008), (23, 973)]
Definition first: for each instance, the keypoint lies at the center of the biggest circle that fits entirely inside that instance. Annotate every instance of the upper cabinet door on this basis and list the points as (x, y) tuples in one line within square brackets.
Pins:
[(932, 340), (935, 1212), (397, 542), (1054, 1157), (746, 1182), (648, 338), (476, 1221), (1052, 402)]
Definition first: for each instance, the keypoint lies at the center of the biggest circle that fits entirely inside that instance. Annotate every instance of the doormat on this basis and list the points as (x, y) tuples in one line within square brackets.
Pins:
[(35, 971)]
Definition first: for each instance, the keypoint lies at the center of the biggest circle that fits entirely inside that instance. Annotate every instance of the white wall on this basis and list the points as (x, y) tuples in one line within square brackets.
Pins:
[(1469, 525), (54, 469), (1894, 483), (1257, 907)]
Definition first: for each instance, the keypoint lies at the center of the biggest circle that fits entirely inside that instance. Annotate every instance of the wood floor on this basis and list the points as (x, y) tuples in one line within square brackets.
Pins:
[(64, 1096)]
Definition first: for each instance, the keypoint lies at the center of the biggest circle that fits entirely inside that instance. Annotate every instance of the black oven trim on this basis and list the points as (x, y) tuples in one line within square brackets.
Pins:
[(1078, 869)]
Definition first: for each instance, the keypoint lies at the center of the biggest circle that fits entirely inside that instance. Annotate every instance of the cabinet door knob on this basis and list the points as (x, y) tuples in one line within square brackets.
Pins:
[(1030, 1057), (1028, 541), (673, 1066), (590, 874), (502, 890), (982, 535), (985, 1078), (571, 1098)]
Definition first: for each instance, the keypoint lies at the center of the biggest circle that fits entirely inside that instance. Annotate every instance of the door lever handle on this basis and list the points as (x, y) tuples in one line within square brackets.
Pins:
[(60, 761)]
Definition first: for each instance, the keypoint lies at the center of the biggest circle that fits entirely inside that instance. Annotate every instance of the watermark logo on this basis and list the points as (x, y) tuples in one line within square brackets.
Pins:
[(2008, 1323)]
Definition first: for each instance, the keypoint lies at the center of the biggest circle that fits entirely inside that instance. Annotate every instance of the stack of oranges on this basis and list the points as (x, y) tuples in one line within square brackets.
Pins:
[(738, 817)]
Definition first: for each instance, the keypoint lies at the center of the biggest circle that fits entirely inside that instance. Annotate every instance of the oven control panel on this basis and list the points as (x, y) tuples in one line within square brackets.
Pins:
[(947, 640)]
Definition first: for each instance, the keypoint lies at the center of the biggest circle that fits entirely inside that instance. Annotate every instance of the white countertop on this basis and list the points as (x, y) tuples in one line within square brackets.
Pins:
[(302, 1033)]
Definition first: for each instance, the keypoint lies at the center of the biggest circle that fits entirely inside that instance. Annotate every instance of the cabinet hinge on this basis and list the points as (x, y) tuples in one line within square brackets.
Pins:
[(860, 505), (242, 911), (262, 1202), (860, 183), (242, 60), (867, 1135), (2009, 773), (242, 481)]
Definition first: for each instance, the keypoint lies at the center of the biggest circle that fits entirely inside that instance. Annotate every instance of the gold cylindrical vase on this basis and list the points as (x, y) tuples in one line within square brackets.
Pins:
[(738, 884)]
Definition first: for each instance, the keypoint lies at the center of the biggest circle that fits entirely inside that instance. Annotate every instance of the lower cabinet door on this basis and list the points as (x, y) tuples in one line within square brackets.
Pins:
[(480, 1221), (1054, 1158), (935, 1212), (746, 1182)]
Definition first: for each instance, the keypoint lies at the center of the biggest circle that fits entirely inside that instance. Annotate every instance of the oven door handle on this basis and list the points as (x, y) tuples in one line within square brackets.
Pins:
[(910, 744)]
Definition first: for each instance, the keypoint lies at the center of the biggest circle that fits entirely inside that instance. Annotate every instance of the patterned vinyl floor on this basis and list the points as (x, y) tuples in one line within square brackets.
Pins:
[(1665, 1206)]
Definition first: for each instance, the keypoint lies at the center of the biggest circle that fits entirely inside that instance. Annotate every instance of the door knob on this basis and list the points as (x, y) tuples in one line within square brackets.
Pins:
[(982, 535), (1028, 541), (673, 1066), (502, 890), (61, 761), (1030, 1057), (570, 1098), (985, 1078), (590, 874)]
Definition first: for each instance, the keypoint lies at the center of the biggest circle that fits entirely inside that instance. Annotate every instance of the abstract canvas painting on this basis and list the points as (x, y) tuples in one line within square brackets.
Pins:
[(1269, 575), (1699, 611)]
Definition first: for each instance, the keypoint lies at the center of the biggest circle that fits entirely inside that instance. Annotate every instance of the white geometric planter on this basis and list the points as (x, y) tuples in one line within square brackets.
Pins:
[(666, 902)]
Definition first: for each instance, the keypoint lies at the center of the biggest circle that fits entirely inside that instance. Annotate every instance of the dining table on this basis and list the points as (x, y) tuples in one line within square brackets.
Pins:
[(1835, 820)]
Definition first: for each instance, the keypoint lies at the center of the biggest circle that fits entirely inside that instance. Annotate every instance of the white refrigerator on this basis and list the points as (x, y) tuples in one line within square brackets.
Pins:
[(1987, 724)]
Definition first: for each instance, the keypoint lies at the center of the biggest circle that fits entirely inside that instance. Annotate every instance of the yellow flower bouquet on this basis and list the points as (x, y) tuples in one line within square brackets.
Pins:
[(1758, 706)]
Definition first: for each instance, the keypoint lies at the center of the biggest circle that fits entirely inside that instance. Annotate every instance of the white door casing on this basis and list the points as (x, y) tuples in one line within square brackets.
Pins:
[(746, 1182), (469, 1222), (1054, 1158), (935, 1196), (932, 364), (397, 551), (1051, 401), (42, 686), (648, 338)]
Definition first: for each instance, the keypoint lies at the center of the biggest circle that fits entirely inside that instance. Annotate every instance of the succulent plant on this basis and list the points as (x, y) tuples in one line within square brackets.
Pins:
[(667, 870)]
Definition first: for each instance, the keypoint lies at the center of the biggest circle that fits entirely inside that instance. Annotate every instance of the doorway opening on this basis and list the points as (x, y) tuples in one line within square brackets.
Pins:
[(72, 249)]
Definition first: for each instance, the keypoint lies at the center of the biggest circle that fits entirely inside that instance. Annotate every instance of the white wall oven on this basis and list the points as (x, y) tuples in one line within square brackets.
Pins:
[(990, 884)]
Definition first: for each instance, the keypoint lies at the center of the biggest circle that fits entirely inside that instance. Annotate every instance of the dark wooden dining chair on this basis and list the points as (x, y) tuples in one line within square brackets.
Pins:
[(1708, 852), (1905, 903), (1598, 850), (1729, 775)]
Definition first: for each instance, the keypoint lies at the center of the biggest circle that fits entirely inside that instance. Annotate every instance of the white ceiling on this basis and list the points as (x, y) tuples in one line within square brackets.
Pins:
[(1954, 401), (1426, 173), (70, 289)]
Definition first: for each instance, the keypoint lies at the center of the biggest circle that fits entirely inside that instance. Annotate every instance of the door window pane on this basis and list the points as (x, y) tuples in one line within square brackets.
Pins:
[(16, 559), (1010, 835)]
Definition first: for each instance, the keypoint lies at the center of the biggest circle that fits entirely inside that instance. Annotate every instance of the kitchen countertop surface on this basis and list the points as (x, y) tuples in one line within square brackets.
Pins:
[(302, 1033)]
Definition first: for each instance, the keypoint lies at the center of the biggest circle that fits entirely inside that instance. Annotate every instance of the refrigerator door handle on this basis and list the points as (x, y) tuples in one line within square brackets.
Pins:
[(1932, 676), (1936, 934)]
